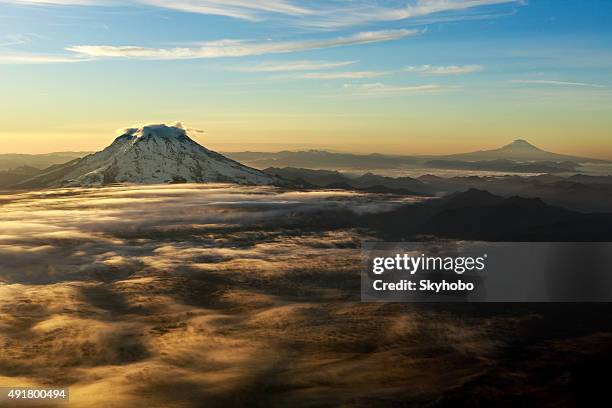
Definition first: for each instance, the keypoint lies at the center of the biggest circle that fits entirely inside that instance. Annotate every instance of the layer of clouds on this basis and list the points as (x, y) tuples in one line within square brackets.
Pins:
[(73, 234), (218, 295)]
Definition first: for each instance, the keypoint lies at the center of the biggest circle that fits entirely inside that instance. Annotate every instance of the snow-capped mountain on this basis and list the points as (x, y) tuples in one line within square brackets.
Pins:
[(521, 150), (150, 154)]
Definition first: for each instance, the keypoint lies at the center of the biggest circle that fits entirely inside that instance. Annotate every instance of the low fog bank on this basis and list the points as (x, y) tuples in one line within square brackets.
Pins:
[(218, 295)]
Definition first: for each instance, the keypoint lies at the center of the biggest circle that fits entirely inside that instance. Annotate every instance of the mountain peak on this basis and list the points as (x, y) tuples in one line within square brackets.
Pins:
[(471, 198), (520, 144), (520, 150), (153, 154), (156, 131)]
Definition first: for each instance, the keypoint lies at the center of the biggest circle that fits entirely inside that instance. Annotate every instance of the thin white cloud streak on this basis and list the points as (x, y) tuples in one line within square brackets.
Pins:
[(341, 75), (15, 39), (329, 14), (426, 7), (423, 69), (445, 70), (25, 59), (364, 12), (294, 66), (59, 2), (379, 89), (554, 82), (238, 48), (240, 9)]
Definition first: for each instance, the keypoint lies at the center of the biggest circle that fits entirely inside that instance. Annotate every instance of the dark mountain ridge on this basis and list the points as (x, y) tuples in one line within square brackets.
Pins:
[(480, 215), (336, 180)]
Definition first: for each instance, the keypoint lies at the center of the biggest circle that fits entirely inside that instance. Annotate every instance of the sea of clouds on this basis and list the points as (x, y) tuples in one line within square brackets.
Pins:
[(217, 295)]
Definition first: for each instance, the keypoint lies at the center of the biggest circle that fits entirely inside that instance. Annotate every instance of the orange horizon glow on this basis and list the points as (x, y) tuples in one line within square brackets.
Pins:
[(417, 146)]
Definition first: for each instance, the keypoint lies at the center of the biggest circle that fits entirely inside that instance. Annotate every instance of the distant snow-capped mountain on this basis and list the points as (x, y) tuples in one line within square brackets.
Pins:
[(521, 150), (150, 155)]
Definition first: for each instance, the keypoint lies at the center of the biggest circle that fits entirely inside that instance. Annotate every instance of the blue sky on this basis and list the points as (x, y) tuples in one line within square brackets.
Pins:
[(413, 76)]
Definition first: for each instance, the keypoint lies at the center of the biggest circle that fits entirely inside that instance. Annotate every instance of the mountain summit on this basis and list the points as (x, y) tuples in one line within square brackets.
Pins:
[(520, 144), (150, 154), (520, 150)]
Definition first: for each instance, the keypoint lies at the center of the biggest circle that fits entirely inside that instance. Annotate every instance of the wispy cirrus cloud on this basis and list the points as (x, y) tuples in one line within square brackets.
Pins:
[(16, 39), (554, 82), (57, 2), (238, 48), (341, 75), (366, 12), (18, 59), (423, 69), (287, 66), (241, 9), (380, 89), (329, 14), (445, 70)]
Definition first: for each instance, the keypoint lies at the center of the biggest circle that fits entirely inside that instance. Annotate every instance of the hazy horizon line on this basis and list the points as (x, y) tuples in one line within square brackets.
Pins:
[(328, 148)]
